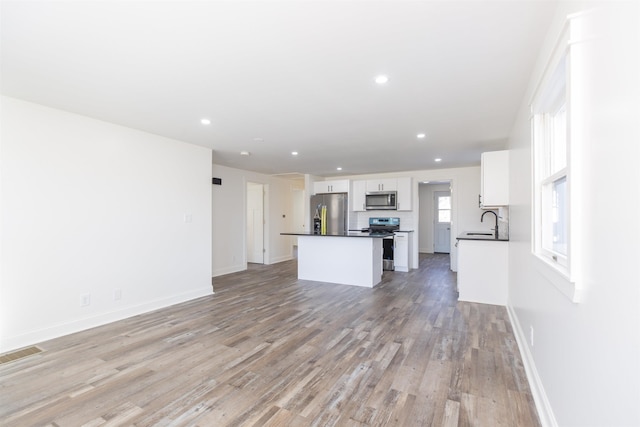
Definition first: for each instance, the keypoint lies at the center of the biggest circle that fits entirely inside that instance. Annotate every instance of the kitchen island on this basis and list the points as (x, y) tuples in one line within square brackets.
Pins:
[(351, 258)]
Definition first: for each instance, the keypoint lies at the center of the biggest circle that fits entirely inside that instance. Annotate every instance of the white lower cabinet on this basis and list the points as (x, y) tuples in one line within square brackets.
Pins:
[(483, 271), (401, 251)]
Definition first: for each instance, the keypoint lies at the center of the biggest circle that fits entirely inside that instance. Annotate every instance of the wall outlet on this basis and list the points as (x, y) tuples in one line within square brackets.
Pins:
[(117, 295), (531, 335), (86, 300)]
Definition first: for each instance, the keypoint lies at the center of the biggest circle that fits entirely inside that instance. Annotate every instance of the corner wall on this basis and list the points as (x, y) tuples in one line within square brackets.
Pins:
[(93, 209), (584, 360), (229, 218)]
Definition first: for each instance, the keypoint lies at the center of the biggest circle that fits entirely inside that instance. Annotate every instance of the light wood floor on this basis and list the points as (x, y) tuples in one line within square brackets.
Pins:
[(269, 350)]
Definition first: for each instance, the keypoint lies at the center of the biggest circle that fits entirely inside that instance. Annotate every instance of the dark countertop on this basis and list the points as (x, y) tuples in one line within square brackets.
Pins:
[(468, 235), (347, 234), (396, 231)]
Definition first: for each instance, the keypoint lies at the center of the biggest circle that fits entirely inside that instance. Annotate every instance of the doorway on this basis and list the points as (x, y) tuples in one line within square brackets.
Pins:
[(442, 222), (255, 223), (428, 212)]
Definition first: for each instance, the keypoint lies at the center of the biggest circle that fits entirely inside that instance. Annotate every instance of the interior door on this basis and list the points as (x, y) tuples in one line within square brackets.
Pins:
[(255, 223), (442, 222)]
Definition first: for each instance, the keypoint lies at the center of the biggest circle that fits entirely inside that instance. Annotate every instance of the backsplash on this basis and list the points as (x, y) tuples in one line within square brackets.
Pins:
[(359, 220), (503, 222)]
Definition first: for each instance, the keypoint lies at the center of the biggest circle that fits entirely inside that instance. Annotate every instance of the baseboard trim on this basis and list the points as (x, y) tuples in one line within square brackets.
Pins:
[(545, 411), (67, 328), (229, 270), (280, 259)]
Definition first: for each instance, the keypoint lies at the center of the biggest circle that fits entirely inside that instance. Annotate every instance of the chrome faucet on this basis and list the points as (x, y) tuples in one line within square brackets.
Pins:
[(482, 218)]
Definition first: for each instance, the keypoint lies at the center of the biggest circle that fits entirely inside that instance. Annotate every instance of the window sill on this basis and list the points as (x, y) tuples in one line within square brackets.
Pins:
[(559, 277)]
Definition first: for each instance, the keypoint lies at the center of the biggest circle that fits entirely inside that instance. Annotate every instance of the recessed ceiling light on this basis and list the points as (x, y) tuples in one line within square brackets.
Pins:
[(294, 153), (205, 121), (245, 153), (339, 168), (421, 135), (381, 79), (437, 160)]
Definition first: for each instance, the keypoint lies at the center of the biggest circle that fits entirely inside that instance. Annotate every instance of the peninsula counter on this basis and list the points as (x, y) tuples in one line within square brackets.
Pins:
[(347, 259)]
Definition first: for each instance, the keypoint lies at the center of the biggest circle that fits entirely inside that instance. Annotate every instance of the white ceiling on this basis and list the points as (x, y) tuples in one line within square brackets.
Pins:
[(276, 77)]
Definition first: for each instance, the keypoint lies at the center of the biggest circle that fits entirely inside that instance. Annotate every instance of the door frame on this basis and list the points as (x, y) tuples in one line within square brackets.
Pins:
[(262, 186), (435, 219), (438, 177)]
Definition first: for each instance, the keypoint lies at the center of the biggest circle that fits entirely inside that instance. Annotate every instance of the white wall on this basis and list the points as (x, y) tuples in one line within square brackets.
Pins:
[(229, 218), (89, 207), (427, 212), (585, 359)]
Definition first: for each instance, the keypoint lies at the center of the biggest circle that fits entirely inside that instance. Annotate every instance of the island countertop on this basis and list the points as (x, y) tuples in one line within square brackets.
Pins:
[(348, 234)]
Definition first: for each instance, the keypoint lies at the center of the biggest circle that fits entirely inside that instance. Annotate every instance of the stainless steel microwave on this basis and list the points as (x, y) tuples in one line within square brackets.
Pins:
[(381, 200)]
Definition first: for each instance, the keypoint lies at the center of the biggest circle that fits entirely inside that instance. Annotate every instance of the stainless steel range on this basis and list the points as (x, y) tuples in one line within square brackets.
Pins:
[(385, 226)]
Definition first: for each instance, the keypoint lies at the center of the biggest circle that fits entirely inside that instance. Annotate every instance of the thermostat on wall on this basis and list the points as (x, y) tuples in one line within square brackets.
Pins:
[(217, 181)]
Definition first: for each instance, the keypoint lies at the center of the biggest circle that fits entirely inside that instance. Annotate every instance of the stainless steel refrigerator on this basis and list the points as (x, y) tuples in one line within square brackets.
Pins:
[(337, 210)]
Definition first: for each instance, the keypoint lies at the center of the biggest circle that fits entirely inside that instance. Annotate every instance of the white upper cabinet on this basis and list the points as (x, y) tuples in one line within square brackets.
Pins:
[(405, 194), (402, 185), (382, 185), (336, 186), (494, 179), (358, 200)]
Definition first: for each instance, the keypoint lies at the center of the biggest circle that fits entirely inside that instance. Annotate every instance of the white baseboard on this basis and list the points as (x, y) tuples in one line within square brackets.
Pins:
[(228, 270), (545, 411), (280, 259), (77, 325)]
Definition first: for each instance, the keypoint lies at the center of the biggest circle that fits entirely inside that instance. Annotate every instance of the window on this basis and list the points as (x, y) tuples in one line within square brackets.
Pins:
[(550, 145), (556, 138), (444, 209)]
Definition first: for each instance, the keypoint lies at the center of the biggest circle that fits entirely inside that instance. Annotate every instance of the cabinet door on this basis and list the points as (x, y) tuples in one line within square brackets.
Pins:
[(494, 178), (405, 194), (382, 184), (401, 251), (320, 187), (358, 199), (339, 186), (483, 271)]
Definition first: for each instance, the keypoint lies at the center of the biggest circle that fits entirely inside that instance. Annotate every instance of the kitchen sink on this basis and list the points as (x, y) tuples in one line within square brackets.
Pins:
[(479, 234)]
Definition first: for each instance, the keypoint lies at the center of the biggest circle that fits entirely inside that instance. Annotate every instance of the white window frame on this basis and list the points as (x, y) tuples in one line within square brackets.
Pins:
[(562, 83)]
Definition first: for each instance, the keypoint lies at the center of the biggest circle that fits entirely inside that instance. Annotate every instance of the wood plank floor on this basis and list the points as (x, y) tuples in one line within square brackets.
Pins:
[(270, 350)]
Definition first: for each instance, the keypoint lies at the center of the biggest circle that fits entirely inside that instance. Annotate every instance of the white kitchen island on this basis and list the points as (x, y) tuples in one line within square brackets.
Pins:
[(347, 259)]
